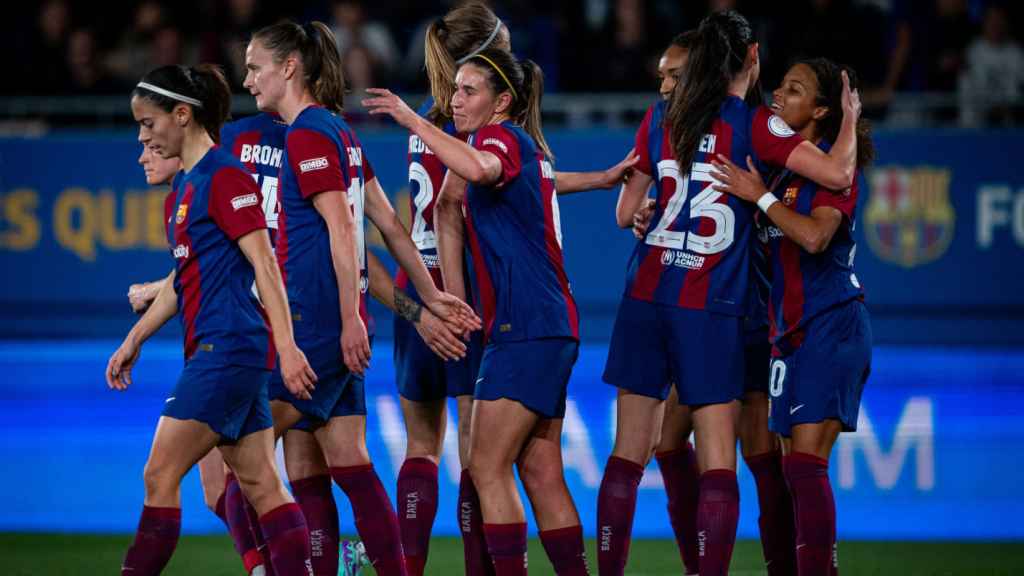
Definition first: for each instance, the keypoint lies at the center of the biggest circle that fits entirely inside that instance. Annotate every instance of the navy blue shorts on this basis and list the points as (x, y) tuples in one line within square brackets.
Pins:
[(825, 376), (329, 395), (654, 345), (757, 354), (422, 376), (534, 373), (230, 399)]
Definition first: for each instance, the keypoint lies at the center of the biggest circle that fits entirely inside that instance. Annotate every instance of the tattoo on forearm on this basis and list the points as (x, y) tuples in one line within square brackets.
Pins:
[(407, 307)]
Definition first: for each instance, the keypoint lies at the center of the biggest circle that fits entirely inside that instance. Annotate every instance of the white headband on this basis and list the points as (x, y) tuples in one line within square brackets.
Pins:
[(483, 46), (169, 94)]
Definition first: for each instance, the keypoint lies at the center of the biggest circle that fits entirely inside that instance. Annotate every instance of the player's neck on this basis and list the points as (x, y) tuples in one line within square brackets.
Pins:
[(740, 85), (193, 150), (291, 107)]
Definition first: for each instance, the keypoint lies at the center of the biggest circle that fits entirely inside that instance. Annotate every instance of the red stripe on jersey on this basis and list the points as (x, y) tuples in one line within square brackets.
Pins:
[(483, 277), (251, 138), (648, 274), (547, 193), (793, 300), (694, 293), (190, 277)]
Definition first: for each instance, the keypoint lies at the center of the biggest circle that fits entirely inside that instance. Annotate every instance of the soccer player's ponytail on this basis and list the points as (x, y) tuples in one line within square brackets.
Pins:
[(533, 92), (203, 88), (717, 55), (450, 41), (215, 95), (321, 63)]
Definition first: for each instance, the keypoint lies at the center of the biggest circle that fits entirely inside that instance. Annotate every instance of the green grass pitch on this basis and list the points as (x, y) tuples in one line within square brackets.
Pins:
[(81, 555)]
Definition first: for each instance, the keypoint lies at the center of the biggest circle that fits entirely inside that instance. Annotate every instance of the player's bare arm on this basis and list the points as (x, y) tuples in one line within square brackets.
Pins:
[(449, 231), (140, 296), (333, 207), (631, 198), (164, 307), (836, 169), (813, 233), (447, 307), (475, 166), (572, 182), (296, 372)]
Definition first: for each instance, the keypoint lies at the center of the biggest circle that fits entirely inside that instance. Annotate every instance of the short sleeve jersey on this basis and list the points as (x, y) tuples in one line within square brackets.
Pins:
[(514, 235), (258, 142), (803, 284), (208, 209), (696, 251), (321, 154)]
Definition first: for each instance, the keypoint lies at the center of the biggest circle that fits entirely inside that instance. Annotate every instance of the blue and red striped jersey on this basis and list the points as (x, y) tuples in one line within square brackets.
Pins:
[(515, 238), (258, 141), (426, 174), (208, 209), (696, 251), (321, 154), (804, 284)]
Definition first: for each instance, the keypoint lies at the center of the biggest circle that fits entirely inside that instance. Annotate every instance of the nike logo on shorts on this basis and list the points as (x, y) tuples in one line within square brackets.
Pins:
[(479, 380), (171, 399), (793, 409)]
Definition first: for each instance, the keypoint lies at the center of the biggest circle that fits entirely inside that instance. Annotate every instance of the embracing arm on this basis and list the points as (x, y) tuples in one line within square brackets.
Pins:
[(631, 198), (572, 182), (449, 231), (836, 169), (476, 166), (119, 367)]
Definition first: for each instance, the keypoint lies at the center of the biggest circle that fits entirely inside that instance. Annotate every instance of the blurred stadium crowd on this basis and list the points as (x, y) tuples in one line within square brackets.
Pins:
[(964, 54)]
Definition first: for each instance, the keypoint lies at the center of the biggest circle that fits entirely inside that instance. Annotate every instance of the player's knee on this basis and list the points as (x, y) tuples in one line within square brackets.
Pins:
[(159, 480), (539, 477)]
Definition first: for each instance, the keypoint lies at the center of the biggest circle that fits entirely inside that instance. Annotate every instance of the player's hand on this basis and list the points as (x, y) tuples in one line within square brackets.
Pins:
[(743, 184), (642, 218), (620, 172), (355, 345), (386, 102), (850, 99), (119, 367), (140, 296), (439, 337), (299, 377), (456, 314)]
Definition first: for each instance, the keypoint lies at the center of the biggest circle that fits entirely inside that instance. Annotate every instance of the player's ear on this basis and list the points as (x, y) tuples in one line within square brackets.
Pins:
[(291, 65), (819, 113), (503, 102), (182, 114)]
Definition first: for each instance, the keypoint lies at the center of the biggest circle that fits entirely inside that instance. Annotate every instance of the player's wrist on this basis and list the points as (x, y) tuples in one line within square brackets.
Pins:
[(766, 201)]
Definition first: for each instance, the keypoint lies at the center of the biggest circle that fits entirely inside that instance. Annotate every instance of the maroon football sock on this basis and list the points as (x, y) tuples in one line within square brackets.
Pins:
[(417, 502), (220, 509), (564, 547), (315, 498), (682, 486), (374, 517), (507, 546), (815, 512), (776, 519), (284, 528), (717, 514), (471, 524), (243, 525), (155, 540), (616, 504)]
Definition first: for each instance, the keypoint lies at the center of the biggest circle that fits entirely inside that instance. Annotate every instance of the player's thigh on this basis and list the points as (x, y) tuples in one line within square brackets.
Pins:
[(715, 429), (676, 425), (303, 457), (464, 405), (755, 437), (637, 426), (425, 427), (285, 416), (253, 461), (499, 430), (212, 476), (343, 440), (816, 438), (177, 446)]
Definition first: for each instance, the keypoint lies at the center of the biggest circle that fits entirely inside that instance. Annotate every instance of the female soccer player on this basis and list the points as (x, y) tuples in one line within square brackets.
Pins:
[(819, 326), (326, 184), (531, 326), (220, 245), (423, 380), (759, 447), (687, 281)]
